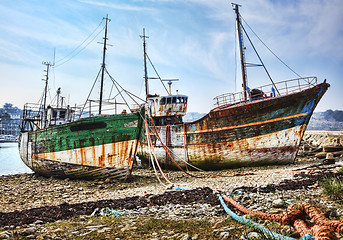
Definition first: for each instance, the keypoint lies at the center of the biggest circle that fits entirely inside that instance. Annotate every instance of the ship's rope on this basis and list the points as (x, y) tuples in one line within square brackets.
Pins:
[(296, 215), (256, 226), (185, 145), (152, 152), (167, 151)]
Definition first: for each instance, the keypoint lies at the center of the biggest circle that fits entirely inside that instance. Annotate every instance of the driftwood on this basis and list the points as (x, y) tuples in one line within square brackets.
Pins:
[(323, 154), (332, 148)]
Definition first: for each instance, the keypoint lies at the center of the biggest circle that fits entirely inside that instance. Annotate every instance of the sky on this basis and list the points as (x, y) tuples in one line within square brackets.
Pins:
[(190, 40)]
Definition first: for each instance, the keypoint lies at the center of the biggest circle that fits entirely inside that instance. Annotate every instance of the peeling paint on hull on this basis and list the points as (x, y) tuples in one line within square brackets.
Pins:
[(80, 150), (260, 132)]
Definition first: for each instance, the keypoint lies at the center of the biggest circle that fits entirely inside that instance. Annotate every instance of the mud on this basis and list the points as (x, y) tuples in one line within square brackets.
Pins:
[(65, 211), (302, 181)]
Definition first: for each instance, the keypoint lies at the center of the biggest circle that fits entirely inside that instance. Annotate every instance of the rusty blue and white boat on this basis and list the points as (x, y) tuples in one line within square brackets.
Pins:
[(257, 126)]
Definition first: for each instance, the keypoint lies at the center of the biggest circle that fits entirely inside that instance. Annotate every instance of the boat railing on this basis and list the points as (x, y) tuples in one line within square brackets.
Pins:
[(271, 90), (109, 107), (34, 113)]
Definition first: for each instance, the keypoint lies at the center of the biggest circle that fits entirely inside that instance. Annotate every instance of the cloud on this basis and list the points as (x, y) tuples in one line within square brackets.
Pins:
[(124, 7)]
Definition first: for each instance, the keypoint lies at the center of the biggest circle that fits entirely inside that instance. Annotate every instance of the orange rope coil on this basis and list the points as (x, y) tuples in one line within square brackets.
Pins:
[(320, 226)]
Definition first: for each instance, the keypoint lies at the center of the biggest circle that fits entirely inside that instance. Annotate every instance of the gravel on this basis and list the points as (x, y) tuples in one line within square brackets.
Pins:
[(31, 201)]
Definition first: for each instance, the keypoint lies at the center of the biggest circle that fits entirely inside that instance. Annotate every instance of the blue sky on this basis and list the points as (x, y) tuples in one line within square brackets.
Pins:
[(192, 40)]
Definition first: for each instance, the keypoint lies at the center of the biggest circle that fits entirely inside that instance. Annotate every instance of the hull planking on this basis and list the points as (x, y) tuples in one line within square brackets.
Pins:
[(259, 132), (95, 147)]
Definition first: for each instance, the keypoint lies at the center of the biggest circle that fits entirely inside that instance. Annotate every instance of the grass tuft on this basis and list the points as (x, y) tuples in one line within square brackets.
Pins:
[(333, 188)]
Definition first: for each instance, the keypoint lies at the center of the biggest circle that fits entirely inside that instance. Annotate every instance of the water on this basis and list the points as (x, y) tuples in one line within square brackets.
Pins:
[(10, 162)]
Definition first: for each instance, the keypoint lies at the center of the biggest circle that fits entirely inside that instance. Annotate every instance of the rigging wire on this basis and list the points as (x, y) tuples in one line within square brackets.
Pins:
[(84, 105), (66, 56), (127, 92), (113, 80), (157, 73), (71, 57), (258, 56), (270, 49)]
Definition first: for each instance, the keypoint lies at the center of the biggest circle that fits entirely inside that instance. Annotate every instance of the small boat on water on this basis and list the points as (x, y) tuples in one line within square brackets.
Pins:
[(59, 141), (259, 126)]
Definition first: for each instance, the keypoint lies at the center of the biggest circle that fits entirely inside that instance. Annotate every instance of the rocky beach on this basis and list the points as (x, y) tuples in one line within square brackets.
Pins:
[(34, 207)]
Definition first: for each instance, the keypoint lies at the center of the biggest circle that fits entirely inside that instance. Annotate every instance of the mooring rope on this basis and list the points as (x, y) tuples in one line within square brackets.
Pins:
[(167, 151), (154, 158), (321, 228), (256, 226)]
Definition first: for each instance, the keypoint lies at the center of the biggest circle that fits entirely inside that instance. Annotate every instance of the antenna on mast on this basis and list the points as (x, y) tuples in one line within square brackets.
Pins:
[(44, 117), (170, 81), (48, 65), (145, 67)]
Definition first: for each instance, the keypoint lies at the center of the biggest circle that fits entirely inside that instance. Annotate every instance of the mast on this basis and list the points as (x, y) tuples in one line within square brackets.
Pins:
[(47, 64), (145, 67), (44, 116), (103, 64), (241, 49)]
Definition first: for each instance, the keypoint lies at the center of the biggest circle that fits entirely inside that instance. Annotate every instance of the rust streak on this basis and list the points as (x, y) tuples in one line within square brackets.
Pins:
[(248, 124), (102, 157)]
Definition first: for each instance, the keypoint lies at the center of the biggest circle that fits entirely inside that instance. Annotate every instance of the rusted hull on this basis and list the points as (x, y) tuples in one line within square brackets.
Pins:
[(260, 132), (94, 148)]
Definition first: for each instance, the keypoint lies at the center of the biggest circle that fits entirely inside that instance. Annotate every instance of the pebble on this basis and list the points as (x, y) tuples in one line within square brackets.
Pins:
[(5, 235), (278, 203), (38, 195), (254, 236), (224, 235), (186, 237), (38, 222), (28, 231)]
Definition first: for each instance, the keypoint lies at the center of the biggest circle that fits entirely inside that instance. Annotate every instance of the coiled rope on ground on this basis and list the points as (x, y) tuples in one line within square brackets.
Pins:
[(259, 227), (297, 216)]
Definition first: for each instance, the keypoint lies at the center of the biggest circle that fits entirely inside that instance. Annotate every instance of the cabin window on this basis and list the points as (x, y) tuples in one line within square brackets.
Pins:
[(62, 114), (54, 114), (163, 101), (169, 100), (179, 100), (174, 100), (184, 100), (87, 126)]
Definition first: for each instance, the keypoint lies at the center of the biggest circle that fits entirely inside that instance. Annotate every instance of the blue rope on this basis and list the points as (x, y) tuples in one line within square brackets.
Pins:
[(178, 188), (259, 227)]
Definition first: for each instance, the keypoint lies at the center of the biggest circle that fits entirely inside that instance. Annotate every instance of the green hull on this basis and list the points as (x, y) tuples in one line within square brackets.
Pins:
[(95, 147)]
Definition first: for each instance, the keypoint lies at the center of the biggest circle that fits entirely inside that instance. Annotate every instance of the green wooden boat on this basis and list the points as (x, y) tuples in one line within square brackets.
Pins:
[(61, 142)]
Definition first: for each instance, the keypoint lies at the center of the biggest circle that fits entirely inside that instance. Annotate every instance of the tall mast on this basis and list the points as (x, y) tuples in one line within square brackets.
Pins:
[(241, 49), (44, 116), (103, 64), (47, 64), (145, 67)]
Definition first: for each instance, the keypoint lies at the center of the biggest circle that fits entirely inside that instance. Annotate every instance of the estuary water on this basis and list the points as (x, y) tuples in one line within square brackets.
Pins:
[(10, 162)]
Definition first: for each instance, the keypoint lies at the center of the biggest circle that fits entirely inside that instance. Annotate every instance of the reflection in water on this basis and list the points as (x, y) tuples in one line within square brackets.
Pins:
[(10, 162)]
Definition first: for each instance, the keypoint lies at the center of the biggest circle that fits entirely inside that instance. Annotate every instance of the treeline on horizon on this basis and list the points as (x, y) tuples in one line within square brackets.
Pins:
[(336, 115), (329, 115)]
